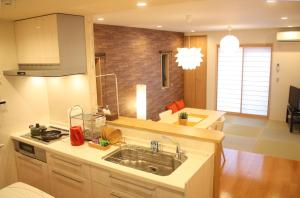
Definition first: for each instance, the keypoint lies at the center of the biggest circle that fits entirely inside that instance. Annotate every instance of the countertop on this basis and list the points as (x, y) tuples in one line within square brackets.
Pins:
[(93, 157), (171, 129)]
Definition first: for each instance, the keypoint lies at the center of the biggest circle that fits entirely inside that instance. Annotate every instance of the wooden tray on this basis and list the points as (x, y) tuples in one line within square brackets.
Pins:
[(98, 146)]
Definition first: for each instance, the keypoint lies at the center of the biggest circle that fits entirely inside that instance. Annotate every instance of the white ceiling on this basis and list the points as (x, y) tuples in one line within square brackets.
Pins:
[(206, 14)]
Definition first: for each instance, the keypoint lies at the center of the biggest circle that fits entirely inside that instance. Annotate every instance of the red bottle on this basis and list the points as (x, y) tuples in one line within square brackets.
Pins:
[(76, 136)]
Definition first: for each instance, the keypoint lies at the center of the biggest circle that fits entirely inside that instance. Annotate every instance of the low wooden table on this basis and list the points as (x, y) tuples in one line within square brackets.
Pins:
[(207, 117)]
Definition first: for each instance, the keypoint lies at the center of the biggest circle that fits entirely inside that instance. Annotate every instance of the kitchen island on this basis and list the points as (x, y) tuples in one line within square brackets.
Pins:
[(84, 167)]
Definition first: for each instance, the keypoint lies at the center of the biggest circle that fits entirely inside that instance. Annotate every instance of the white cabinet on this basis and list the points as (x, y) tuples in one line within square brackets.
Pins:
[(37, 40), (69, 178), (32, 172)]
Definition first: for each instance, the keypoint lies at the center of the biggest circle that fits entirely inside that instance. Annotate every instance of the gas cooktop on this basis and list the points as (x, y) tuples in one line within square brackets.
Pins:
[(47, 138)]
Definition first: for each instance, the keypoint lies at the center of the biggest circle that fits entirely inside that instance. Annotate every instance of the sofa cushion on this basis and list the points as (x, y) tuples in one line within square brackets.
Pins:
[(172, 107), (180, 104)]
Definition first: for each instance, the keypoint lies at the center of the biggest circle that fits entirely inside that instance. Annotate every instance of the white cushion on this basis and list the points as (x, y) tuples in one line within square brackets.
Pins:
[(165, 114), (21, 190)]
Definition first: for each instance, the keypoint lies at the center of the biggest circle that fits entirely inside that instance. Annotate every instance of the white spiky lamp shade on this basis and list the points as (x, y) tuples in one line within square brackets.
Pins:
[(189, 58)]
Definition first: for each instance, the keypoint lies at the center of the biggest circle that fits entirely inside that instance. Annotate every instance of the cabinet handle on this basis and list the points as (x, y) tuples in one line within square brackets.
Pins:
[(72, 163), (120, 195), (29, 160), (67, 177), (114, 195)]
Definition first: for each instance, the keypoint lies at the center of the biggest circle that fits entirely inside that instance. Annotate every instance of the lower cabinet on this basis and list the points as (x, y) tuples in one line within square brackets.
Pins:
[(64, 186), (32, 172), (110, 185), (67, 178)]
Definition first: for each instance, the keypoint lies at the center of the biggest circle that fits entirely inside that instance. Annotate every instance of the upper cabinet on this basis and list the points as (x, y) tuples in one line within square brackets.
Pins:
[(50, 45), (37, 40)]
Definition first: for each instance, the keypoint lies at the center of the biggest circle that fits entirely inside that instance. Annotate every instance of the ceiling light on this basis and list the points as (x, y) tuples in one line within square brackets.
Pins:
[(100, 19), (284, 18), (159, 26), (193, 31), (229, 43), (290, 26), (141, 4), (189, 58), (271, 1)]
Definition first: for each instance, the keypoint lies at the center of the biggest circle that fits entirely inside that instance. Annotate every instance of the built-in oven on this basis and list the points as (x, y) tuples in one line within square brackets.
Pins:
[(30, 151)]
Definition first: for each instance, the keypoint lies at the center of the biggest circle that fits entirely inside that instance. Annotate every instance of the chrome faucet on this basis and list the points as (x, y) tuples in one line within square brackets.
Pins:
[(179, 152), (155, 146)]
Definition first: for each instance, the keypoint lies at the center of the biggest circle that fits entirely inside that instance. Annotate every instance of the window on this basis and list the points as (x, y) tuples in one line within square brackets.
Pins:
[(243, 80), (165, 66)]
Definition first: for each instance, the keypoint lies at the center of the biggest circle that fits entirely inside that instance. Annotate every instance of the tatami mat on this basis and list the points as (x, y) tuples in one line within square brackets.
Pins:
[(262, 136)]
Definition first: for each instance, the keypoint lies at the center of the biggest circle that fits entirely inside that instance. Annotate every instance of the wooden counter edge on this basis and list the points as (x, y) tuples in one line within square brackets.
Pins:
[(170, 129)]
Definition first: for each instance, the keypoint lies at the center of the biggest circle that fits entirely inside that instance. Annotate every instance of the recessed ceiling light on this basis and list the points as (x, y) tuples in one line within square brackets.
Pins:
[(271, 1), (193, 31), (141, 4), (290, 26), (100, 19), (284, 18), (159, 26)]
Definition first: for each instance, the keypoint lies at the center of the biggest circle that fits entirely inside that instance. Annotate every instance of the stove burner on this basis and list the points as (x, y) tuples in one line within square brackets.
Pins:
[(51, 135)]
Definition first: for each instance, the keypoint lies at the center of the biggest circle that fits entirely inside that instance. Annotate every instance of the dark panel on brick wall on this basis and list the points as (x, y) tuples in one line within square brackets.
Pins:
[(133, 54)]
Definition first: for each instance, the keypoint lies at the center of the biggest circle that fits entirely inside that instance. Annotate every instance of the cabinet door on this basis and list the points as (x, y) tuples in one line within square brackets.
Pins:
[(49, 40), (100, 190), (64, 186), (32, 172), (28, 40), (37, 40)]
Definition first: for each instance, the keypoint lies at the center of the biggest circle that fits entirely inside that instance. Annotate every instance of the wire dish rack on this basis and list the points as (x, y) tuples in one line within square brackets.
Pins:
[(91, 123)]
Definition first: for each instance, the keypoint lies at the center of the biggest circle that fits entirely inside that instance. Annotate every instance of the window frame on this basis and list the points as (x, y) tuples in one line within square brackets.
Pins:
[(169, 61), (270, 81)]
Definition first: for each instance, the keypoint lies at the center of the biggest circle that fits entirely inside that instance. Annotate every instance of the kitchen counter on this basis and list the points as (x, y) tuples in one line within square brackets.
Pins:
[(91, 156), (188, 132)]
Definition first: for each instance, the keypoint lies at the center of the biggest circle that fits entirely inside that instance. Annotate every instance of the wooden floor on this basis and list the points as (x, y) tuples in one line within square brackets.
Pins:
[(246, 175)]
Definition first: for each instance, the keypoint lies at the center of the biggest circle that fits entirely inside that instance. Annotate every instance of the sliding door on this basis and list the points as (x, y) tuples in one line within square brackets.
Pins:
[(243, 80)]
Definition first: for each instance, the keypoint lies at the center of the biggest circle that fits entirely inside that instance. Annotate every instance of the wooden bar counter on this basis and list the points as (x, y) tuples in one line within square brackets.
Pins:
[(215, 137)]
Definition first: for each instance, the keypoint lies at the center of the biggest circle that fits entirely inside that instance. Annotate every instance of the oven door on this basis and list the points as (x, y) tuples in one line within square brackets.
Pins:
[(25, 149)]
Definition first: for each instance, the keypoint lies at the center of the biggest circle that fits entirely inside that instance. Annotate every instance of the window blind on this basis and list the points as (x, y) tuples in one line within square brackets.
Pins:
[(229, 80), (243, 80), (256, 76)]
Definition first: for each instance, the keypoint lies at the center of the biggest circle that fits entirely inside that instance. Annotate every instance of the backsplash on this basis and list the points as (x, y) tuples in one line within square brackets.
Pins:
[(133, 54)]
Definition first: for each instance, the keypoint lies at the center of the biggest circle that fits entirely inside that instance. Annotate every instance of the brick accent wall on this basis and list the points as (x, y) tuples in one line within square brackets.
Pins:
[(133, 54)]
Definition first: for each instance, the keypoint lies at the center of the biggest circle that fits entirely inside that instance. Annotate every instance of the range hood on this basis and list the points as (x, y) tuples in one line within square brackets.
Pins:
[(58, 49)]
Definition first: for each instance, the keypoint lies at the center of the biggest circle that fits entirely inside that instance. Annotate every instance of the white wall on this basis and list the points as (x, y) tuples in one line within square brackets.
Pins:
[(26, 98), (286, 54)]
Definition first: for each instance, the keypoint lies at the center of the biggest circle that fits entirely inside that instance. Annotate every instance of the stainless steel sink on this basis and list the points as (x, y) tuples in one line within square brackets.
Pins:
[(142, 158)]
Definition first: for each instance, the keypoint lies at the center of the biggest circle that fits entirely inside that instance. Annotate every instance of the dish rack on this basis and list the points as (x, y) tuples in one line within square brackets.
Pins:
[(92, 123)]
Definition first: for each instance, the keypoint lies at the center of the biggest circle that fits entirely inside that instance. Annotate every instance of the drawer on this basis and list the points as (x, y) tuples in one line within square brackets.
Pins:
[(68, 166), (100, 176), (132, 187)]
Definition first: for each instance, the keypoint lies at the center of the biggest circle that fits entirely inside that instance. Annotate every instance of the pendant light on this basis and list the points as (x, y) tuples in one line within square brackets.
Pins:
[(229, 43), (189, 58)]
